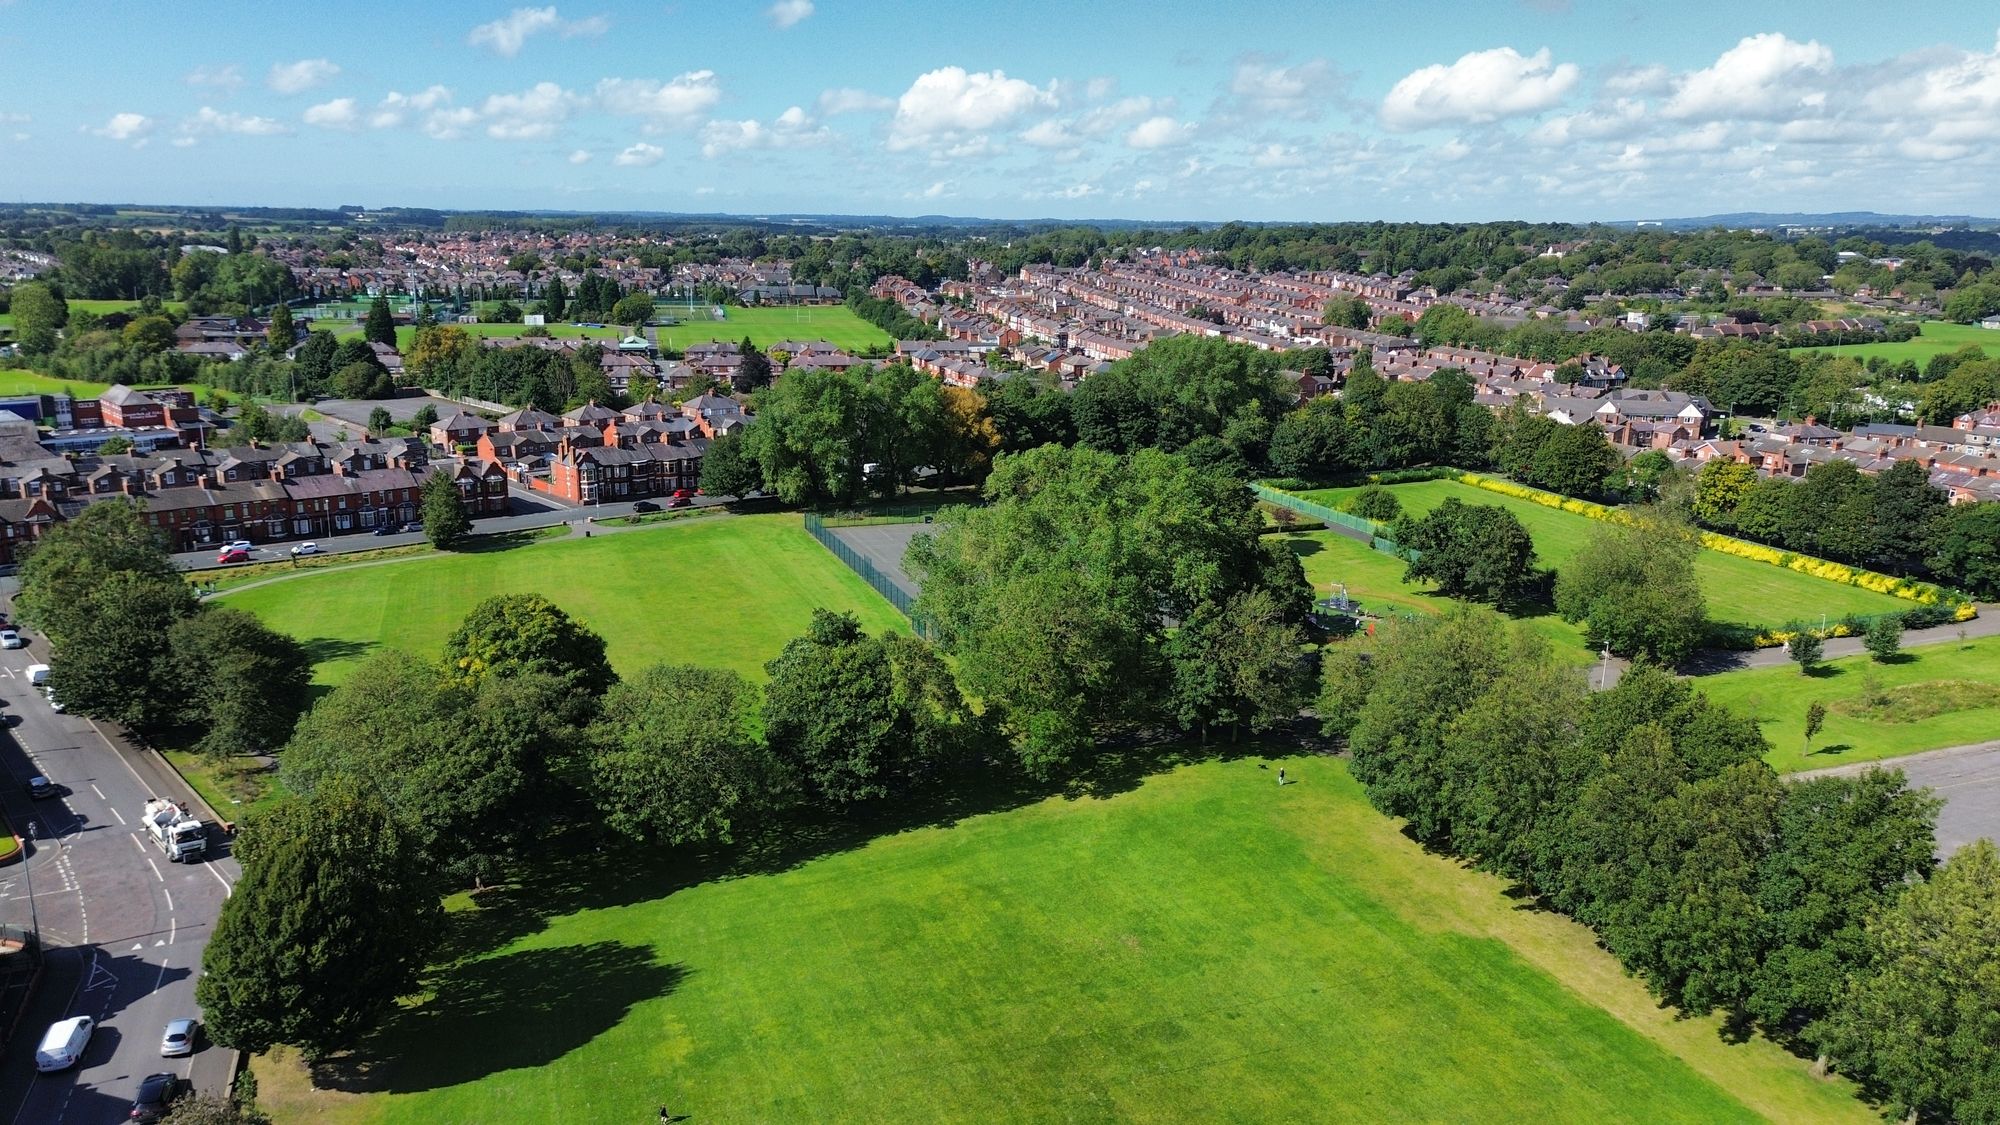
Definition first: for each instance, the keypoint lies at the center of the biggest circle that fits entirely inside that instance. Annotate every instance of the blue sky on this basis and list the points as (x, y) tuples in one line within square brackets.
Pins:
[(1165, 110)]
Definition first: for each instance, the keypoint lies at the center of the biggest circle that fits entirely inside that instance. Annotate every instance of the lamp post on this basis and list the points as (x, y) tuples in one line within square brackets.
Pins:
[(1604, 668)]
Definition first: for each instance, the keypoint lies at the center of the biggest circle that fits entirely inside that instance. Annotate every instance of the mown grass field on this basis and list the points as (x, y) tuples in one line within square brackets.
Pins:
[(1202, 947), (1778, 698), (1937, 338), (35, 383), (836, 324), (100, 307), (727, 592), (1738, 590)]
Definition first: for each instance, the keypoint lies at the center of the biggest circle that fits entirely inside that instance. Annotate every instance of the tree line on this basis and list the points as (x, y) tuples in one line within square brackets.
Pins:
[(1814, 910)]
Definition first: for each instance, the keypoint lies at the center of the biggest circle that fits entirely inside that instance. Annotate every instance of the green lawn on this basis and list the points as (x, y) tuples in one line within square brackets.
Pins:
[(1778, 697), (1937, 338), (728, 592), (836, 324), (1738, 590), (1204, 947), (34, 383)]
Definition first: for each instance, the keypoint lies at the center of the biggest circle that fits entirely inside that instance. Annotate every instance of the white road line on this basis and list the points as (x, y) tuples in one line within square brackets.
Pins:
[(156, 869), (162, 978), (227, 888), (115, 812), (173, 928), (134, 837), (170, 899), (99, 792)]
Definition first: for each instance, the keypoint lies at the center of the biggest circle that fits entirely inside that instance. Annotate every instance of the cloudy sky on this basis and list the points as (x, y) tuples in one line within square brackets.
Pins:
[(1354, 110)]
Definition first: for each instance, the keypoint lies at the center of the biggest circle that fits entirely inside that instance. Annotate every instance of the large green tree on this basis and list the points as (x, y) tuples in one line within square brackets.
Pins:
[(1917, 1023), (1236, 664), (333, 919), (1476, 551), (244, 684), (445, 523), (671, 757), (508, 634), (40, 314), (1056, 599), (856, 717), (1634, 588), (380, 326)]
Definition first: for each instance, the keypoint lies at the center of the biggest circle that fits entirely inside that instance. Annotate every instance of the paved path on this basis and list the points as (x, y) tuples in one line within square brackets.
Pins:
[(1711, 661), (123, 927), (1967, 777), (883, 545)]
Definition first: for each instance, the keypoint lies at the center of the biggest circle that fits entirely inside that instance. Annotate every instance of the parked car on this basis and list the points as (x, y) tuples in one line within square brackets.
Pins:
[(40, 787), (385, 529), (305, 549), (63, 1044), (413, 527), (233, 556), (683, 493), (239, 545), (10, 637), (156, 1096), (178, 1039), (641, 506), (679, 502)]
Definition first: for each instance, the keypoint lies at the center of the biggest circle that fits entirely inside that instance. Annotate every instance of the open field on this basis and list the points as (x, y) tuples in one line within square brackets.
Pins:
[(836, 324), (1938, 337), (1203, 946), (1778, 697), (1738, 590), (728, 592), (35, 383)]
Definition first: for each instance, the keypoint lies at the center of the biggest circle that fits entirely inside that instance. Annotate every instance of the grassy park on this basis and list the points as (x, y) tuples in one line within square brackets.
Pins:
[(1926, 698), (1937, 338), (727, 592), (836, 324), (1739, 590), (1202, 945)]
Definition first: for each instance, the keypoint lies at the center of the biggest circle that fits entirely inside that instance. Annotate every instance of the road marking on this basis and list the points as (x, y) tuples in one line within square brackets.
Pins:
[(227, 888), (173, 928), (162, 979), (99, 792), (115, 812), (170, 899), (134, 837), (156, 869)]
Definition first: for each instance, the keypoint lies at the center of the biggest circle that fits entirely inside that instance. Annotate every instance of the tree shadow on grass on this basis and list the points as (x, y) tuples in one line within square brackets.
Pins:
[(1831, 750), (322, 649), (519, 1010), (608, 871), (1300, 546)]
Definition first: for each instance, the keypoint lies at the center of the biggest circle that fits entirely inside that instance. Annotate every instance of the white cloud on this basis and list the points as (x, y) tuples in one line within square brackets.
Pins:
[(1277, 156), (1159, 132), (1302, 92), (1481, 86), (786, 13), (939, 190), (641, 155), (1051, 134), (590, 27), (790, 129), (298, 77), (228, 78), (1763, 77), (450, 123), (674, 104), (1649, 79), (397, 106), (506, 35), (208, 120), (849, 100), (945, 104), (1080, 191), (533, 114), (580, 156), (340, 113), (125, 127)]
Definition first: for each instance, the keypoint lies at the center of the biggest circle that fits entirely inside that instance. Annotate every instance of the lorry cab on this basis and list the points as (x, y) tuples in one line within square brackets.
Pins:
[(64, 1043)]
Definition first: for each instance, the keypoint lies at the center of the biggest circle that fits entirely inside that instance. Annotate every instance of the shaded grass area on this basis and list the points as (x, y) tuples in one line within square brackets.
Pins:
[(1936, 338), (724, 592), (1739, 591), (1957, 684), (1200, 944)]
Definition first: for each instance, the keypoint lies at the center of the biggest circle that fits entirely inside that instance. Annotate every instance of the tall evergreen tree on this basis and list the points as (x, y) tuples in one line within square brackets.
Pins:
[(380, 327)]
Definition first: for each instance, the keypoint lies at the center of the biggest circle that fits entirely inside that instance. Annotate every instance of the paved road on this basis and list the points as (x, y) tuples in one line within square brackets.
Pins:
[(1967, 777), (124, 928), (883, 545)]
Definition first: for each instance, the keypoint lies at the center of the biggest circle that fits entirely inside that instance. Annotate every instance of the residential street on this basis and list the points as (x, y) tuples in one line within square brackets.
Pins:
[(123, 927)]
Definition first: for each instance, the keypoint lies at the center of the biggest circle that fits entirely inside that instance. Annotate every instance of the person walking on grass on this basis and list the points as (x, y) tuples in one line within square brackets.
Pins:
[(1281, 775)]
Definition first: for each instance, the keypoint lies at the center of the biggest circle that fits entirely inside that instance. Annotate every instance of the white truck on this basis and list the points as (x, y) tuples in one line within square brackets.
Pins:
[(178, 832)]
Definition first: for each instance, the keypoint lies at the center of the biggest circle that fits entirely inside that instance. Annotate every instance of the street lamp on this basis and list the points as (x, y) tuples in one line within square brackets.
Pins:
[(1604, 668)]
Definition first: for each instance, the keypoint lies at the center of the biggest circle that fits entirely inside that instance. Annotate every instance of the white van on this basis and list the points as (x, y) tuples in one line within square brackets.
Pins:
[(38, 675), (63, 1046)]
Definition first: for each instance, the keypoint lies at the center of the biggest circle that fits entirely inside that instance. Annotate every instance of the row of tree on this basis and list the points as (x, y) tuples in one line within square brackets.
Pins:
[(1648, 814)]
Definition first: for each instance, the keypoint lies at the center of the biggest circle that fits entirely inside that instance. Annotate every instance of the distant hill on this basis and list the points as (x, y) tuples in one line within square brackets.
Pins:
[(1839, 220)]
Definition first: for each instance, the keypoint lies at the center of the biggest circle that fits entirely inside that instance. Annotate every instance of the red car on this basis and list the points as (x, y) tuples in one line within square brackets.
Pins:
[(682, 494), (236, 556)]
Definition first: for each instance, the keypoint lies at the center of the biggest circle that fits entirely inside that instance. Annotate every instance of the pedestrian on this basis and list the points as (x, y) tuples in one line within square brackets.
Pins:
[(1281, 775), (666, 1116)]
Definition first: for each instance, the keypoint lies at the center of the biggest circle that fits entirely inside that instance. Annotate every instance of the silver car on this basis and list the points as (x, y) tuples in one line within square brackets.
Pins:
[(178, 1039)]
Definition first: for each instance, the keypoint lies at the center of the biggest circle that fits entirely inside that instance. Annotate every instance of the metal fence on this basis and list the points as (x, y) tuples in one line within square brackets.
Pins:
[(1308, 508), (884, 585)]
